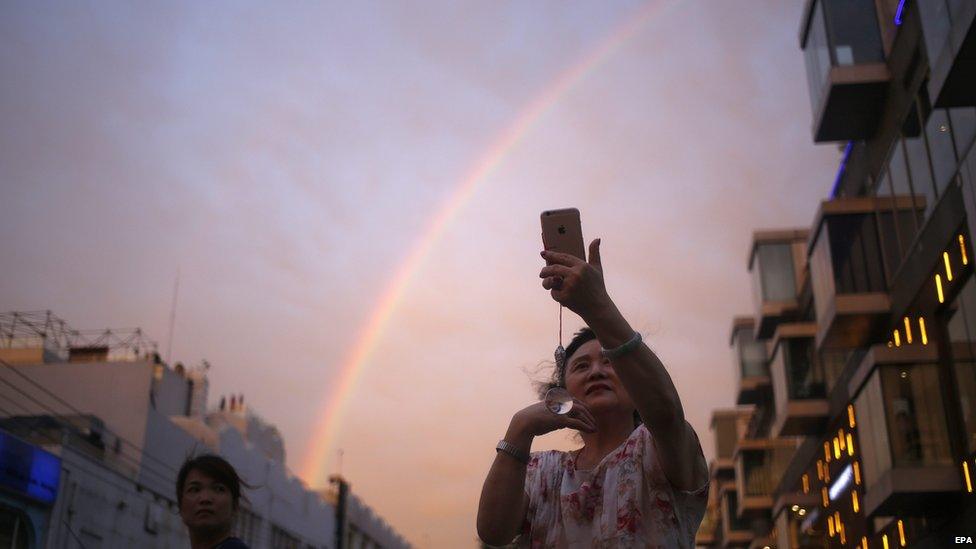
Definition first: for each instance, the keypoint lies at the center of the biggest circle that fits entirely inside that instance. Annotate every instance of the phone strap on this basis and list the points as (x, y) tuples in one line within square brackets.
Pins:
[(560, 354)]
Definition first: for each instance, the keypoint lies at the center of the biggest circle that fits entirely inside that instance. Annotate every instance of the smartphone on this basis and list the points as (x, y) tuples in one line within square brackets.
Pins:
[(561, 232)]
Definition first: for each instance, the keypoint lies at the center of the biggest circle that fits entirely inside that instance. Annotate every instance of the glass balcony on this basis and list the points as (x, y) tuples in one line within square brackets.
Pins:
[(848, 271), (751, 366), (905, 454), (735, 531), (776, 268), (759, 467), (950, 42), (846, 70), (799, 385), (727, 426)]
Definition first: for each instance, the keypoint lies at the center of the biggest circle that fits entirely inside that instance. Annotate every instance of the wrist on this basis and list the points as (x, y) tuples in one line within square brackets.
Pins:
[(519, 434)]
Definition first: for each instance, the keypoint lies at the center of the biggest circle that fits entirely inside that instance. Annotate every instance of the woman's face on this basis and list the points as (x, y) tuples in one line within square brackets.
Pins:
[(206, 504), (591, 379)]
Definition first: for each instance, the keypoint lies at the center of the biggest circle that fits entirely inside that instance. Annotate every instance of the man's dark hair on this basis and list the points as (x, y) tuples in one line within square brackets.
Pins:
[(214, 467)]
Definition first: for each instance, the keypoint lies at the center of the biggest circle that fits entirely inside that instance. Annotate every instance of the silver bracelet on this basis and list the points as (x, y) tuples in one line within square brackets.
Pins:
[(511, 450), (627, 347)]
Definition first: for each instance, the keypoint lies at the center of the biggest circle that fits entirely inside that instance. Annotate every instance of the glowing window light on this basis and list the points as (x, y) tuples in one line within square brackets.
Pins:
[(850, 415), (836, 449), (908, 331), (840, 435), (806, 484), (850, 445), (921, 329), (897, 338), (945, 259), (901, 533), (820, 469), (962, 250), (969, 482), (827, 451), (823, 493), (864, 542), (830, 525), (843, 537), (884, 540), (938, 286), (842, 483), (856, 504), (857, 473), (839, 526)]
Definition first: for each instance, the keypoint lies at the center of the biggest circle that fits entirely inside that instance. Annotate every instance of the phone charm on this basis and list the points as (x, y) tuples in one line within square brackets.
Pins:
[(560, 354)]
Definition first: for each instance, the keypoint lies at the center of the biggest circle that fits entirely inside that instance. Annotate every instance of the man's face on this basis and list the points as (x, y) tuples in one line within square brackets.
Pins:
[(591, 379), (206, 504)]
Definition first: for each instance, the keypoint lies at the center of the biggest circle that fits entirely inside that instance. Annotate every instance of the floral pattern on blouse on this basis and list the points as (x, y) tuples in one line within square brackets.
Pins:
[(626, 501)]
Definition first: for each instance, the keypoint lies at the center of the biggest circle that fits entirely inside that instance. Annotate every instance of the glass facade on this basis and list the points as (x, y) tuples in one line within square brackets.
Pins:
[(725, 436), (961, 328), (796, 372), (902, 420), (750, 355), (846, 259), (774, 272), (841, 33)]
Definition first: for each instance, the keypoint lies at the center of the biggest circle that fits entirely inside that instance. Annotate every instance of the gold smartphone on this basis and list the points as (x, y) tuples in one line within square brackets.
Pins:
[(561, 232)]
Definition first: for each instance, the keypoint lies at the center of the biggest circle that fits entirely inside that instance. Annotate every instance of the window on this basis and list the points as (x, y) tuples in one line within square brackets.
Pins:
[(751, 354), (920, 173), (938, 134), (901, 186), (776, 271), (803, 369), (935, 27), (871, 432), (963, 128), (961, 327), (916, 415)]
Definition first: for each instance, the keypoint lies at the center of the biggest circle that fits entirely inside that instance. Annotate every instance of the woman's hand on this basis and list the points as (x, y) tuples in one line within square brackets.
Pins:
[(537, 420), (575, 283)]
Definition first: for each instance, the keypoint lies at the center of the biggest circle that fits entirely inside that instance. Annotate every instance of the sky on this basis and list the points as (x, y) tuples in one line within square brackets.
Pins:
[(287, 161)]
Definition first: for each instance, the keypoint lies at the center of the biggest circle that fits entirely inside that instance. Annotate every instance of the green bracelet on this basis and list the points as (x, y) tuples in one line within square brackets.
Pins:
[(627, 347)]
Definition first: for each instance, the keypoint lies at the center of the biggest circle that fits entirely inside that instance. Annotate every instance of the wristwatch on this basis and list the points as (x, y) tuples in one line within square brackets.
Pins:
[(513, 451)]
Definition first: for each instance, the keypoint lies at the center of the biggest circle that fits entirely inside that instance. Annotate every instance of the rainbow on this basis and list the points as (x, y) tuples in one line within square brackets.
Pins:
[(326, 430)]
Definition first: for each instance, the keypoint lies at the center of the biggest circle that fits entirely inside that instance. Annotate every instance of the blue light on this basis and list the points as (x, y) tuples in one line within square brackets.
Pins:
[(28, 470), (899, 12), (840, 170)]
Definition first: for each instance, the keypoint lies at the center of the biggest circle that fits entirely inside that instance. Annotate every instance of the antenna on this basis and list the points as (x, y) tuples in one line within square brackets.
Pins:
[(172, 317)]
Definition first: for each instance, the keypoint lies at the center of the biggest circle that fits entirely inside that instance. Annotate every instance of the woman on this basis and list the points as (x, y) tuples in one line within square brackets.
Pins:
[(208, 492), (632, 484)]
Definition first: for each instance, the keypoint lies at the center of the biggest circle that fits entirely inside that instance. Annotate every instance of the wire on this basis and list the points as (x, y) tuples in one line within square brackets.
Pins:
[(75, 410), (64, 422)]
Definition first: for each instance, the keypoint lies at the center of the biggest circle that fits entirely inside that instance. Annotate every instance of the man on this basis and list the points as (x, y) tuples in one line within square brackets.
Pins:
[(208, 491)]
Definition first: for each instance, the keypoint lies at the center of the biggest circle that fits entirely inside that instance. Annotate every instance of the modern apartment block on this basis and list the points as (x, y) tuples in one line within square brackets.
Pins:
[(855, 423), (94, 427)]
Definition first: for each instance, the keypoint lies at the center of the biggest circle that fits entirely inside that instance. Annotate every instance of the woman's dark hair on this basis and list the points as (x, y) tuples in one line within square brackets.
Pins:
[(558, 378), (214, 467)]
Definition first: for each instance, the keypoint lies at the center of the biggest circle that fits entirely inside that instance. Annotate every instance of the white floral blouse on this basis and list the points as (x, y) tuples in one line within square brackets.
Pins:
[(626, 501)]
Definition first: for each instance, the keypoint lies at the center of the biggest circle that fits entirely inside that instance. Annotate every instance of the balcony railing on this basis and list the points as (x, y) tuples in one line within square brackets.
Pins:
[(849, 252), (759, 467), (905, 452), (751, 364), (846, 69), (799, 382), (776, 260)]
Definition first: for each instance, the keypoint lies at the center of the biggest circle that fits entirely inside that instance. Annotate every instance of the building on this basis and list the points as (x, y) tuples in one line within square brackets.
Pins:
[(111, 424), (855, 423)]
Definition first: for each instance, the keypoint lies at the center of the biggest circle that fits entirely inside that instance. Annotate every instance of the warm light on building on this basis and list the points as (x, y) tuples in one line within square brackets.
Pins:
[(854, 502), (945, 259), (921, 329), (884, 540), (901, 533), (850, 445), (857, 473), (850, 413), (820, 469), (836, 449), (864, 542), (830, 526), (938, 287), (908, 331), (827, 451), (897, 338), (962, 250), (823, 493), (806, 484), (840, 435), (969, 482)]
